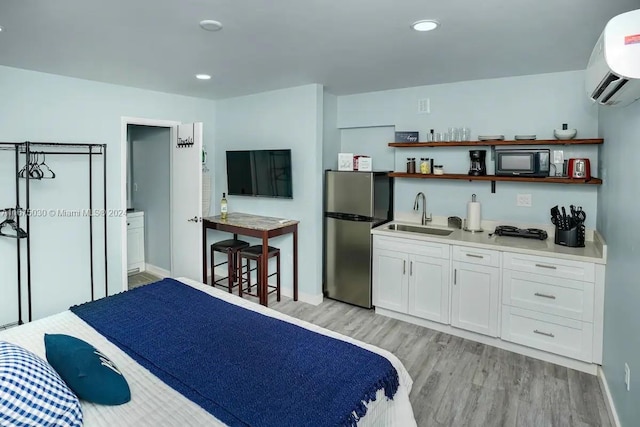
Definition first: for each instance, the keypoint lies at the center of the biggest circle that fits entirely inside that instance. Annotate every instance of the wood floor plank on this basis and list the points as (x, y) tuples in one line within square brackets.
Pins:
[(457, 382)]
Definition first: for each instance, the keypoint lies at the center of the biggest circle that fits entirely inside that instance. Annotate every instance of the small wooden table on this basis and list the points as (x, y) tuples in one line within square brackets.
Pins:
[(254, 226)]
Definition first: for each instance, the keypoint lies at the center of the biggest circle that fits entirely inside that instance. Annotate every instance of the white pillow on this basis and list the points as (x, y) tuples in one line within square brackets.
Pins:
[(32, 393)]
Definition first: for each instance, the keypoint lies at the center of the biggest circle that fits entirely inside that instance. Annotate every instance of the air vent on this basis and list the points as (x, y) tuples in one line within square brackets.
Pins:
[(604, 84), (617, 89)]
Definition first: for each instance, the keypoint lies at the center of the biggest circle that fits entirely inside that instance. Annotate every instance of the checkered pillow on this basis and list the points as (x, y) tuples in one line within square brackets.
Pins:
[(32, 393)]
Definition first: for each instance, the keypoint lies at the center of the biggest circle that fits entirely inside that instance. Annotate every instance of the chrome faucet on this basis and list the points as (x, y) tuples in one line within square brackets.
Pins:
[(419, 196)]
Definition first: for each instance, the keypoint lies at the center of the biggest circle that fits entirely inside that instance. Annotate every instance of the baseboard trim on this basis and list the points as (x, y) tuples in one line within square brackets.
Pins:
[(313, 299), (604, 385), (161, 272)]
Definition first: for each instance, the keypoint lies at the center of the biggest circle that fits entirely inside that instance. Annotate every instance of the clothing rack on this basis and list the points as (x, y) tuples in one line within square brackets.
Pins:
[(54, 148)]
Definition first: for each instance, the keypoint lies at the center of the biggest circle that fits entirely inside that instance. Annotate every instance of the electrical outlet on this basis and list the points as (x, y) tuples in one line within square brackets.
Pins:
[(523, 200), (627, 376), (558, 156), (424, 106)]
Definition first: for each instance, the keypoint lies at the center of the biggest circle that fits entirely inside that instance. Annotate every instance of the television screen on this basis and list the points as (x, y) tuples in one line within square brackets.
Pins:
[(259, 173)]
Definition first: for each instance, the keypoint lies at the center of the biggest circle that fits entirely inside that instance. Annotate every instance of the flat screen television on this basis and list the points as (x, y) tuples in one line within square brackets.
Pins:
[(264, 173)]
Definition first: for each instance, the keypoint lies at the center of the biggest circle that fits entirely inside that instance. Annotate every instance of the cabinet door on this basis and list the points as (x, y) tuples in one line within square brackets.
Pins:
[(475, 298), (429, 288), (135, 247), (390, 279)]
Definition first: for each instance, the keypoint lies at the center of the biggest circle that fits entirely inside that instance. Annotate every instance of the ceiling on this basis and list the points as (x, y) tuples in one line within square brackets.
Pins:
[(349, 46)]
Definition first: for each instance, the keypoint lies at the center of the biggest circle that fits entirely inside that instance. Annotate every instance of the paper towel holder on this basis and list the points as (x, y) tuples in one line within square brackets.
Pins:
[(480, 230)]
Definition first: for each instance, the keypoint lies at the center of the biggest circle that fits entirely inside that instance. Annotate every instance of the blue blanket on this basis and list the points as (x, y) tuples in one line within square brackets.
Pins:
[(245, 368)]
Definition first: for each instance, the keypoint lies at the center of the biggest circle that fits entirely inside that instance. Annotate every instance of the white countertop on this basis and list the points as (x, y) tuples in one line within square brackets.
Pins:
[(594, 250)]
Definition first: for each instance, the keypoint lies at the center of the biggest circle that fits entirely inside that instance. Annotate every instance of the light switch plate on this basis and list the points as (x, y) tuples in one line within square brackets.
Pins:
[(523, 200)]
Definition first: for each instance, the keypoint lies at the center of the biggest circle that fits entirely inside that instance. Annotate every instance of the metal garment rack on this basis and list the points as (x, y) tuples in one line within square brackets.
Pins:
[(54, 149)]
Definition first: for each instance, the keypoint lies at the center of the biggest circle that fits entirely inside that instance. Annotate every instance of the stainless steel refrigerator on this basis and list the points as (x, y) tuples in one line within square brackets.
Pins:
[(355, 202)]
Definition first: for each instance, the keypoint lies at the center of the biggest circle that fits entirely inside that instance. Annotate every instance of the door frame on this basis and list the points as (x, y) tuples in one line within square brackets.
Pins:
[(125, 122)]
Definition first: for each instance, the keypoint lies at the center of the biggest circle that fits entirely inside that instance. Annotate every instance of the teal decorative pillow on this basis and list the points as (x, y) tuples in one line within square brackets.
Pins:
[(86, 370)]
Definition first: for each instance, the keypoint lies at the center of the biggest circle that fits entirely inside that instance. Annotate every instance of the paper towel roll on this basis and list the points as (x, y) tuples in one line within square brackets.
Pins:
[(473, 216)]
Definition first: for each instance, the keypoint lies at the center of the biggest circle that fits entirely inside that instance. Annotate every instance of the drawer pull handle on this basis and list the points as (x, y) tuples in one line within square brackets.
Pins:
[(552, 267), (546, 334), (475, 256), (544, 295)]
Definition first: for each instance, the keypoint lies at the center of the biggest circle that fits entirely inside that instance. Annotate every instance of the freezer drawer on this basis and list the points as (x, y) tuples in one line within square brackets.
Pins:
[(348, 261)]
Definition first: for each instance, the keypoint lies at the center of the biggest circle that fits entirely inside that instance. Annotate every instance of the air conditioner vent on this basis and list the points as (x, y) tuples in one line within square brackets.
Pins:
[(617, 89), (604, 84)]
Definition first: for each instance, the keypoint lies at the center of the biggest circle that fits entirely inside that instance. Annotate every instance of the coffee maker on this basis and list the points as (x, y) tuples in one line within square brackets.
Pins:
[(478, 165)]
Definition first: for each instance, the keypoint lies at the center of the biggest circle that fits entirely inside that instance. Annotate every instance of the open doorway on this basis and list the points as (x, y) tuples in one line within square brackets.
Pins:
[(145, 168), (148, 204)]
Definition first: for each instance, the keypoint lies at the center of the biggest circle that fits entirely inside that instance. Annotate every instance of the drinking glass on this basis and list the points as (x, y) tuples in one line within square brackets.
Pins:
[(453, 134), (466, 134)]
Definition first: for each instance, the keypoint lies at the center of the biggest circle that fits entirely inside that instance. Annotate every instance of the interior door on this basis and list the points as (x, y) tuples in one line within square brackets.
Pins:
[(186, 202)]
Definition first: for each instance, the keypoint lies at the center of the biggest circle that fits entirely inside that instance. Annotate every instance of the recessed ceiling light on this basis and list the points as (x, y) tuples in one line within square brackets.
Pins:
[(210, 25), (203, 76), (425, 25)]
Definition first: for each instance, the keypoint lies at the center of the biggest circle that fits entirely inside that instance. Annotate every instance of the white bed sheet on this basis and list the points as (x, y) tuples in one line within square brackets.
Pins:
[(154, 403)]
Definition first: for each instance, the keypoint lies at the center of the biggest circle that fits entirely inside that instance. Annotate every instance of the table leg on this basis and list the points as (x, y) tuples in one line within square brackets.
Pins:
[(204, 254), (264, 271), (295, 263)]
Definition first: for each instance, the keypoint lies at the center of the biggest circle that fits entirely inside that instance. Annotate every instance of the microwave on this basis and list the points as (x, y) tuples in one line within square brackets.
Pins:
[(522, 162)]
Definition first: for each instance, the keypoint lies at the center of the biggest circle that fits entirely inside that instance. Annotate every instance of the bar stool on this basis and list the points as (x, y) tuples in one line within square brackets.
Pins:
[(254, 253), (230, 248)]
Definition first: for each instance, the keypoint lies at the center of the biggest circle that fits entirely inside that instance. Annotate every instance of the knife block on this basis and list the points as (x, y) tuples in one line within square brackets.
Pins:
[(573, 238)]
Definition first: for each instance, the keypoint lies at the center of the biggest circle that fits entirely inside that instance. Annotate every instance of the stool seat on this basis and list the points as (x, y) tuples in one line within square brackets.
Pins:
[(231, 248), (256, 250), (254, 253), (225, 245)]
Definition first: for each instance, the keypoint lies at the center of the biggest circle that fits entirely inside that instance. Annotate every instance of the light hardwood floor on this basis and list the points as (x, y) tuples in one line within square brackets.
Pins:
[(462, 383)]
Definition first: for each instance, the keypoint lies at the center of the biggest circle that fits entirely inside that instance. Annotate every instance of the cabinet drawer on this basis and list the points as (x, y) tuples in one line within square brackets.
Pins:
[(576, 270), (410, 246), (135, 222), (562, 297), (476, 256), (545, 332)]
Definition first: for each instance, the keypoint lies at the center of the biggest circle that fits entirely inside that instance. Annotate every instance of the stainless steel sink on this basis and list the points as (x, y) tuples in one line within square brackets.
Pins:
[(418, 229)]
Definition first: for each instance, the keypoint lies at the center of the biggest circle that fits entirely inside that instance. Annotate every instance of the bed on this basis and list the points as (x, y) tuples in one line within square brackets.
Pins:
[(153, 402)]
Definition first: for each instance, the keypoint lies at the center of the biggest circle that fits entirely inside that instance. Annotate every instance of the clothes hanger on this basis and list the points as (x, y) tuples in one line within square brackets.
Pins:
[(34, 169), (48, 169), (10, 222)]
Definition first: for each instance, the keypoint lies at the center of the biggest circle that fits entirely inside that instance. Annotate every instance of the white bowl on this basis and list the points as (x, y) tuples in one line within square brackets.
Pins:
[(565, 133)]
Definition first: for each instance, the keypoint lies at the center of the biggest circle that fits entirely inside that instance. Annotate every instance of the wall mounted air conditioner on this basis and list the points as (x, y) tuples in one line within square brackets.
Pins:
[(613, 73)]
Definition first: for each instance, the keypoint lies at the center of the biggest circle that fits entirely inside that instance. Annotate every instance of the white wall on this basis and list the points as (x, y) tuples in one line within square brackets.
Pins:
[(618, 204), (331, 133), (151, 182), (516, 105), (287, 119), (44, 107)]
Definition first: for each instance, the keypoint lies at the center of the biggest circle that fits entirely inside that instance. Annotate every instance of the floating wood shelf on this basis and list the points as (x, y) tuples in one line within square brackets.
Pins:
[(498, 142), (494, 178)]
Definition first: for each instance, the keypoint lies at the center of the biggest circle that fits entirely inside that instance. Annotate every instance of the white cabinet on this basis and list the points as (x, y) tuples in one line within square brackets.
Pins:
[(135, 242), (475, 294), (411, 278), (390, 280), (551, 305)]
